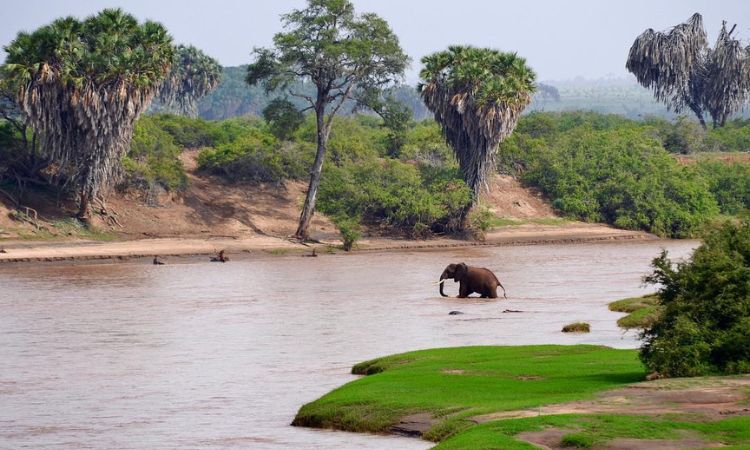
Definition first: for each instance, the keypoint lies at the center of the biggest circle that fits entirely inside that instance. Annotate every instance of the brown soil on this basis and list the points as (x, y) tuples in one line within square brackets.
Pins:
[(711, 397), (508, 199), (211, 214)]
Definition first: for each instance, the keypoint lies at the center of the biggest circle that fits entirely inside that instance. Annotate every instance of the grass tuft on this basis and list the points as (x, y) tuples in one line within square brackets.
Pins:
[(642, 311), (577, 327)]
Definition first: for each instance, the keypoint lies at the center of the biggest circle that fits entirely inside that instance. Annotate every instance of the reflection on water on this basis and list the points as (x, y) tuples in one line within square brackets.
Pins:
[(201, 355)]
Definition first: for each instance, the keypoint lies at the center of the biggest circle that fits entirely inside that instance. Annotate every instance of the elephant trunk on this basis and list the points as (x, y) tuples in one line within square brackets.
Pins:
[(443, 277)]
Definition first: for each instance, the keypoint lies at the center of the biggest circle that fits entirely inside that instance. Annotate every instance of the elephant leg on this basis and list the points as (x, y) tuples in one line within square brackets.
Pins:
[(463, 291)]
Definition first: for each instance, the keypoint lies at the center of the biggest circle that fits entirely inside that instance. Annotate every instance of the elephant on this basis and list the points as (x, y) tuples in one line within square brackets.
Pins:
[(472, 279)]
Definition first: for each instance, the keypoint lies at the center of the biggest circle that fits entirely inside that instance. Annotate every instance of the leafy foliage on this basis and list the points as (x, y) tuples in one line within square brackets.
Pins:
[(83, 84), (340, 53), (395, 194), (153, 158), (729, 183), (619, 177), (477, 96), (193, 75), (705, 323), (283, 118)]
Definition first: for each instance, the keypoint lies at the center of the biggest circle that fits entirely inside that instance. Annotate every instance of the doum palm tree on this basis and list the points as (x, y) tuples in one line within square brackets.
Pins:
[(684, 72), (193, 76), (477, 96), (82, 85)]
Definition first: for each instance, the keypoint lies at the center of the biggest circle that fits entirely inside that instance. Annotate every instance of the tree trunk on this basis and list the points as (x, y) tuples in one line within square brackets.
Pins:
[(312, 191), (699, 113), (84, 210)]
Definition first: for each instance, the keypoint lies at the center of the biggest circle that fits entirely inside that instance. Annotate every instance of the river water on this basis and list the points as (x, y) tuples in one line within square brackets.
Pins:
[(203, 355)]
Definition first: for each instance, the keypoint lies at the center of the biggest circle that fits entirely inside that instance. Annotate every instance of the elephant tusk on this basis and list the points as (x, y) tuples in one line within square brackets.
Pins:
[(439, 282)]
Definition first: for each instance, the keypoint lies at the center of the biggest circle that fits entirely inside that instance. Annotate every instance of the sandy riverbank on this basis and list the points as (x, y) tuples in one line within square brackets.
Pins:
[(60, 250)]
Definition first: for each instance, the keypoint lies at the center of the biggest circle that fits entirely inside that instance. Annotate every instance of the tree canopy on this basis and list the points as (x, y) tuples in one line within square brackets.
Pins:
[(683, 71), (705, 323), (192, 76), (477, 96), (341, 53), (83, 84)]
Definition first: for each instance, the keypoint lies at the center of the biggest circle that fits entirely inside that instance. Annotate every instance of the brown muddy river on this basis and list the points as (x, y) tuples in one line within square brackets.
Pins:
[(200, 355)]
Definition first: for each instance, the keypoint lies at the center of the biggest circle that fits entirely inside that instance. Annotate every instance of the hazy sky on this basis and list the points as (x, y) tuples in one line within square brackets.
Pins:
[(560, 39)]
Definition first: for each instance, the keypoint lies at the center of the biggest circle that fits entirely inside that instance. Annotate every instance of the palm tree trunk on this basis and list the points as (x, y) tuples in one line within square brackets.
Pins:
[(312, 191)]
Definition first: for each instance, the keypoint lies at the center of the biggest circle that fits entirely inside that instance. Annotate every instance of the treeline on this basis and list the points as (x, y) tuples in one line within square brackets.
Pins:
[(233, 97), (592, 167)]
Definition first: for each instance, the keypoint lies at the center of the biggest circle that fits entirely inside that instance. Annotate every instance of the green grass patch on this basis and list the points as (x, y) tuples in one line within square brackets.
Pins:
[(643, 311), (454, 384), (576, 327), (597, 430)]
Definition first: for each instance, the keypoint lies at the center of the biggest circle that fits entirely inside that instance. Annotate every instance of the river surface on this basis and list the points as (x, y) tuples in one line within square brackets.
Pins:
[(203, 355)]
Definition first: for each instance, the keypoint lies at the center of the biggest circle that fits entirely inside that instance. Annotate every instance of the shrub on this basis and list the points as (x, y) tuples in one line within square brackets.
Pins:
[(576, 327), (480, 220), (349, 227), (705, 323), (623, 178), (153, 158), (256, 156), (283, 118), (186, 132), (394, 194), (729, 183)]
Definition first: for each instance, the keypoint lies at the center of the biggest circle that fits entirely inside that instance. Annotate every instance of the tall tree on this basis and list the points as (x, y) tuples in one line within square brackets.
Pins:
[(341, 53), (193, 75), (83, 84), (477, 96), (684, 72)]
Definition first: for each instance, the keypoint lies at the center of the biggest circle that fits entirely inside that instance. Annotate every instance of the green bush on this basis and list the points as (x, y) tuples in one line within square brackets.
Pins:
[(350, 230), (621, 177), (729, 183), (256, 156), (416, 200), (705, 323), (153, 158), (186, 132)]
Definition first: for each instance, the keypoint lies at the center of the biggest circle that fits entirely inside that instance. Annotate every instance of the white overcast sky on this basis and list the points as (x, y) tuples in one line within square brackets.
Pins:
[(560, 39)]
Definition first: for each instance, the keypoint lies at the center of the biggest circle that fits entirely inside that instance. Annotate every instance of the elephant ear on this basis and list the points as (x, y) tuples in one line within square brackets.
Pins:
[(461, 270)]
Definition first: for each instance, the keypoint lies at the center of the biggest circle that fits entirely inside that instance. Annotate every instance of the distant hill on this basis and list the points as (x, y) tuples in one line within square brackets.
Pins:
[(620, 96)]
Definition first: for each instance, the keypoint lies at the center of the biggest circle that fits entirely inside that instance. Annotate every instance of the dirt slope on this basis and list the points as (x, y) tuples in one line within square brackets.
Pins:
[(508, 199), (211, 207)]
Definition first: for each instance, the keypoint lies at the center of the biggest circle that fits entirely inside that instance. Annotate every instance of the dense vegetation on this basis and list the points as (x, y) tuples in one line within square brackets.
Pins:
[(605, 168), (63, 75), (593, 167), (704, 325)]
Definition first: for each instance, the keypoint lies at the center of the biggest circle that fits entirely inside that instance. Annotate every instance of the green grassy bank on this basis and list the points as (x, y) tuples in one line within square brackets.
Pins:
[(454, 384)]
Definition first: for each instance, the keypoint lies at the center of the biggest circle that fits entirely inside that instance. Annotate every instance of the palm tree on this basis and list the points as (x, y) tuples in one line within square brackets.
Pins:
[(193, 76), (684, 72), (83, 84), (477, 96)]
